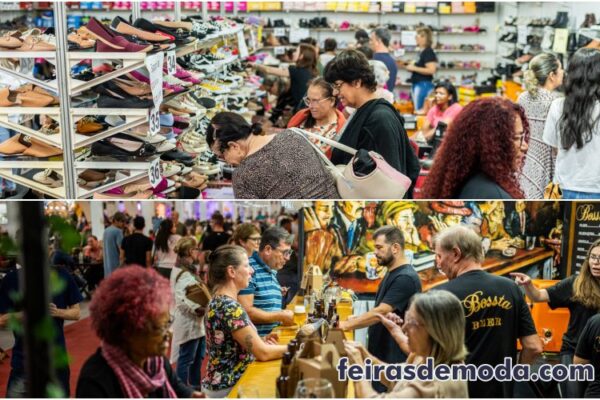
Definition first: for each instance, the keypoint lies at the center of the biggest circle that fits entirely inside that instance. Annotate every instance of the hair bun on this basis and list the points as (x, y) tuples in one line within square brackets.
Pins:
[(531, 82), (255, 129)]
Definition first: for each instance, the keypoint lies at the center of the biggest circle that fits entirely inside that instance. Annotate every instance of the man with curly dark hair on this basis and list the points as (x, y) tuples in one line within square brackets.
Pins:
[(482, 153), (376, 125)]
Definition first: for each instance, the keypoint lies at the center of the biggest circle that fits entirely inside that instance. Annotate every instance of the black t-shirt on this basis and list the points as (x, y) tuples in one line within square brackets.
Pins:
[(497, 315), (135, 247), (396, 289), (215, 239), (426, 56), (299, 78), (588, 348), (560, 296), (98, 380), (480, 186)]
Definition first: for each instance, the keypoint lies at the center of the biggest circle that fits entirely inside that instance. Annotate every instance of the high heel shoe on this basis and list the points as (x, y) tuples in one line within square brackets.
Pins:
[(108, 41)]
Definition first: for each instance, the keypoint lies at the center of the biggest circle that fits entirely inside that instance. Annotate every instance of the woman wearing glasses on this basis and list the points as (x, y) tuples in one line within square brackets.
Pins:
[(434, 326), (130, 315), (481, 154), (321, 116), (231, 338), (581, 295), (376, 125), (280, 166), (247, 236)]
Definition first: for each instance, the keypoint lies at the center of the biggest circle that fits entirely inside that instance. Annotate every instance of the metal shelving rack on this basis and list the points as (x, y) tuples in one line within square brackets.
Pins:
[(68, 140)]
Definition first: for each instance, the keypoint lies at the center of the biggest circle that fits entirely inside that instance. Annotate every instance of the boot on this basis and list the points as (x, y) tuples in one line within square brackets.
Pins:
[(562, 20), (572, 43)]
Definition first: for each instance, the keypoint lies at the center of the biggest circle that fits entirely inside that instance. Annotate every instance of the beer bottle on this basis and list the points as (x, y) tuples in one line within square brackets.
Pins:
[(283, 381)]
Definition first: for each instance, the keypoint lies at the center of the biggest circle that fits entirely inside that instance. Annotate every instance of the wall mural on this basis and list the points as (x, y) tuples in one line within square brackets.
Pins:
[(339, 235)]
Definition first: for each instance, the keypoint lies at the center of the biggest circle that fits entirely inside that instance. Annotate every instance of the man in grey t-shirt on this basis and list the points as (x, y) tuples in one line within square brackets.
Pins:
[(112, 238)]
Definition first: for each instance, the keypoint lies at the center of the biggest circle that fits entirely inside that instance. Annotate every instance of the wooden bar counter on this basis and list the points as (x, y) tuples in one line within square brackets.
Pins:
[(261, 375)]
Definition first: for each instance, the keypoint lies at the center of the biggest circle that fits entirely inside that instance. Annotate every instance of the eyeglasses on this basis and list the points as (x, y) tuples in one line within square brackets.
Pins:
[(337, 86), (594, 257), (286, 253), (520, 138), (411, 323), (308, 101), (161, 330), (255, 238)]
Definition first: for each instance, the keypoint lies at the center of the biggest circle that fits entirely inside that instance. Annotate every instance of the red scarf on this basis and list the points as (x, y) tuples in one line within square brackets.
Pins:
[(135, 381)]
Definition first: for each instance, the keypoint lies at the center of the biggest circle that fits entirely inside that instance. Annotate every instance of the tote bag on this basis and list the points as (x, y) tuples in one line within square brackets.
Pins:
[(384, 182)]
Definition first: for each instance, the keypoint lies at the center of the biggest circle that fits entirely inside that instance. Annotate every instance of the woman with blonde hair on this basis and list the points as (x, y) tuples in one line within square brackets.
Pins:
[(424, 68), (580, 294), (434, 327), (544, 76), (189, 344)]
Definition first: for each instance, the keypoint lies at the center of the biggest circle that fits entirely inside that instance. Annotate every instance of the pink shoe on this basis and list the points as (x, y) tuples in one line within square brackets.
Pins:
[(139, 77)]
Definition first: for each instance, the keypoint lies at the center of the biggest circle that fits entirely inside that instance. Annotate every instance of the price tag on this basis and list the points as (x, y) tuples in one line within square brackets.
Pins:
[(171, 62), (155, 173), (561, 37), (408, 38), (154, 64), (522, 32), (242, 46), (279, 32), (154, 122), (279, 50), (297, 34)]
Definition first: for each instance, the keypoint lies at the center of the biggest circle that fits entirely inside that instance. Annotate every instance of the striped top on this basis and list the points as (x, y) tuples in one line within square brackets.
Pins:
[(266, 290)]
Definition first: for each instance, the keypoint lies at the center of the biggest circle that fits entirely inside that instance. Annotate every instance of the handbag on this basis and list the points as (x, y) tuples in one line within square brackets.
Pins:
[(197, 293), (383, 182), (552, 191)]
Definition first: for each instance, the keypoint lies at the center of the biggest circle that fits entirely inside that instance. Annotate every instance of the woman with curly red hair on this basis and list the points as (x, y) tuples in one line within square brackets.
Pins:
[(482, 152), (130, 315)]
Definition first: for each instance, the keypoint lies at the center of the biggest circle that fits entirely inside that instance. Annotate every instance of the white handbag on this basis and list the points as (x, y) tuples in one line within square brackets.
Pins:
[(384, 182)]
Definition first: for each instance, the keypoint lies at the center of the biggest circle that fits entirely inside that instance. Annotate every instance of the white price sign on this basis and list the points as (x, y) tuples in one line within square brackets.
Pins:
[(279, 32), (279, 50), (155, 173), (242, 46), (171, 62), (522, 32), (154, 122), (297, 34), (408, 38), (154, 64), (399, 53)]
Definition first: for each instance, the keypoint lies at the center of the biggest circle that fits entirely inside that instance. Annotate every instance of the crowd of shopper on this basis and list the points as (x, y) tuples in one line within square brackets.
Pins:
[(532, 147), (234, 324)]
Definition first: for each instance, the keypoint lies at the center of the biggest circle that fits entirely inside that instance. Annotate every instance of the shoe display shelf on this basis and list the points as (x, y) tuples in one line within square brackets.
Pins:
[(21, 171)]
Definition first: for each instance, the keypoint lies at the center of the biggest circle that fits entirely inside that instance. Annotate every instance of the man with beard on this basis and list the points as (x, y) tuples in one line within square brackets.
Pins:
[(399, 284)]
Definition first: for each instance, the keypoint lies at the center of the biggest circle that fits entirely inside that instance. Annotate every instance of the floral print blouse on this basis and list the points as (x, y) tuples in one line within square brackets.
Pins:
[(328, 131), (227, 359)]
